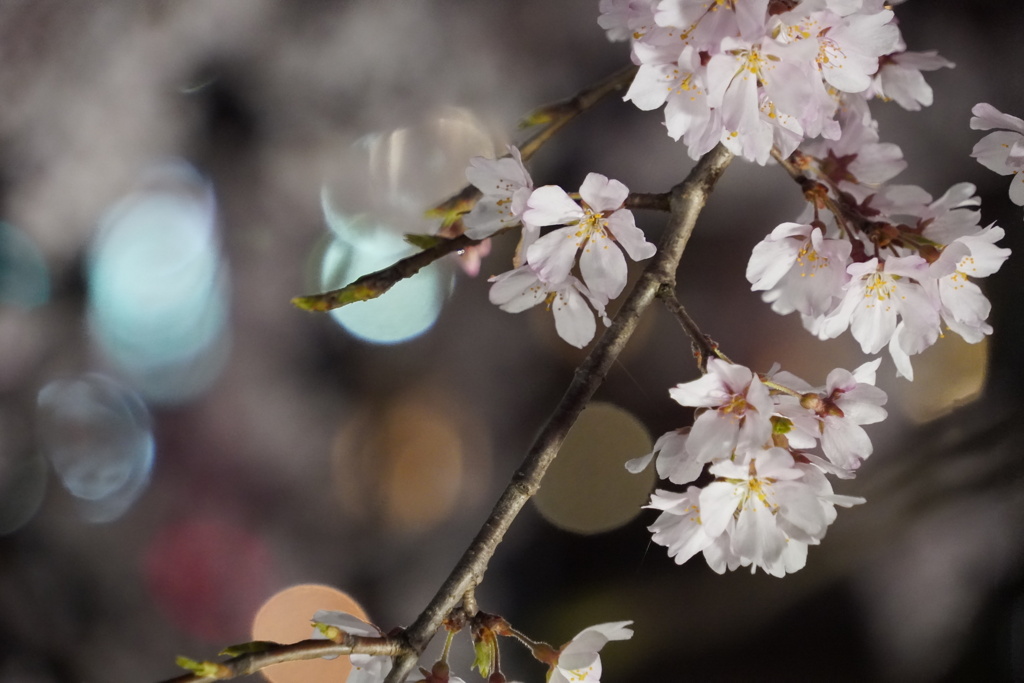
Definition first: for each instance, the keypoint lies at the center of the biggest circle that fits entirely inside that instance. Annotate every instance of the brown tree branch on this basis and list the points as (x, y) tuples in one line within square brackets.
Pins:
[(246, 664), (686, 201)]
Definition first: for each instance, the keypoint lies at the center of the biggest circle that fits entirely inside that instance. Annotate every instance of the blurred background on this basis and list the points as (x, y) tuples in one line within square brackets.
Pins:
[(187, 461)]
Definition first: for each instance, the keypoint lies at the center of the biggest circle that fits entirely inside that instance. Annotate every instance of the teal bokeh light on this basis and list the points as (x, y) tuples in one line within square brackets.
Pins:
[(24, 277), (358, 245), (158, 289)]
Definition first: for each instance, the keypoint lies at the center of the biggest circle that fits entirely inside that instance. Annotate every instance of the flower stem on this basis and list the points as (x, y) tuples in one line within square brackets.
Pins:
[(703, 346)]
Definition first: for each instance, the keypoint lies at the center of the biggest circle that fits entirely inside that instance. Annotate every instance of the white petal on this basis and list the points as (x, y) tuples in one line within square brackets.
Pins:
[(574, 321), (550, 205), (602, 194)]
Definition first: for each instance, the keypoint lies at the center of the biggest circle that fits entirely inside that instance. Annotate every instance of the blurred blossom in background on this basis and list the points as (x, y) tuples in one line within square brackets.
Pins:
[(187, 461)]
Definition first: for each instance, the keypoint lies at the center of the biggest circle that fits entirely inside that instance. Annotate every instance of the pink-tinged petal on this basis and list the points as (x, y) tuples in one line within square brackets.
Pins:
[(622, 225), (757, 537), (719, 557), (791, 381), (593, 638), (921, 321), (1015, 158), (1017, 189), (603, 267), (772, 258), (574, 321), (840, 380), (964, 301), (554, 254), (603, 194), (873, 319), (801, 508), (679, 528), (638, 465), (740, 112), (496, 176), (758, 397), (516, 290), (865, 374), (718, 503), (713, 436), (529, 235), (900, 358), (675, 463), (520, 200), (347, 623), (682, 536), (993, 149), (485, 219), (776, 463), (550, 205), (863, 405), (755, 430), (845, 443), (651, 86), (987, 117), (703, 392), (750, 17), (792, 559), (735, 378)]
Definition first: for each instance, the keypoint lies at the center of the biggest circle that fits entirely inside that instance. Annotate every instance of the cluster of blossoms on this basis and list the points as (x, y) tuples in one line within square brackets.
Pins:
[(770, 498), (887, 262), (594, 233), (753, 74), (578, 661)]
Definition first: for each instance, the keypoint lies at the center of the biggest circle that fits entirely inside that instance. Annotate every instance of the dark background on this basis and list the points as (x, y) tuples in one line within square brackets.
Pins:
[(302, 454)]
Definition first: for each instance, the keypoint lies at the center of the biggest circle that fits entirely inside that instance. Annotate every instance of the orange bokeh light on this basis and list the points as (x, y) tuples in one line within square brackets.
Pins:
[(285, 618)]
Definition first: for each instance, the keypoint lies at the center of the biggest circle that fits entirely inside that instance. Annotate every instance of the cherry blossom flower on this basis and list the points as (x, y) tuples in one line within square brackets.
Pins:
[(674, 461), (1003, 150), (877, 294), (758, 514), (738, 415), (679, 528), (761, 511), (899, 78), (365, 668), (964, 308), (579, 660), (622, 19), (759, 73), (799, 269), (676, 80), (506, 185), (856, 162), (847, 401), (593, 227), (517, 290)]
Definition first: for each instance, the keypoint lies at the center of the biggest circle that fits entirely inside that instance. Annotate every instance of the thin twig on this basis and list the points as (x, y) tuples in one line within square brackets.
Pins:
[(561, 113), (372, 285), (687, 200), (655, 202), (703, 347), (244, 665)]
